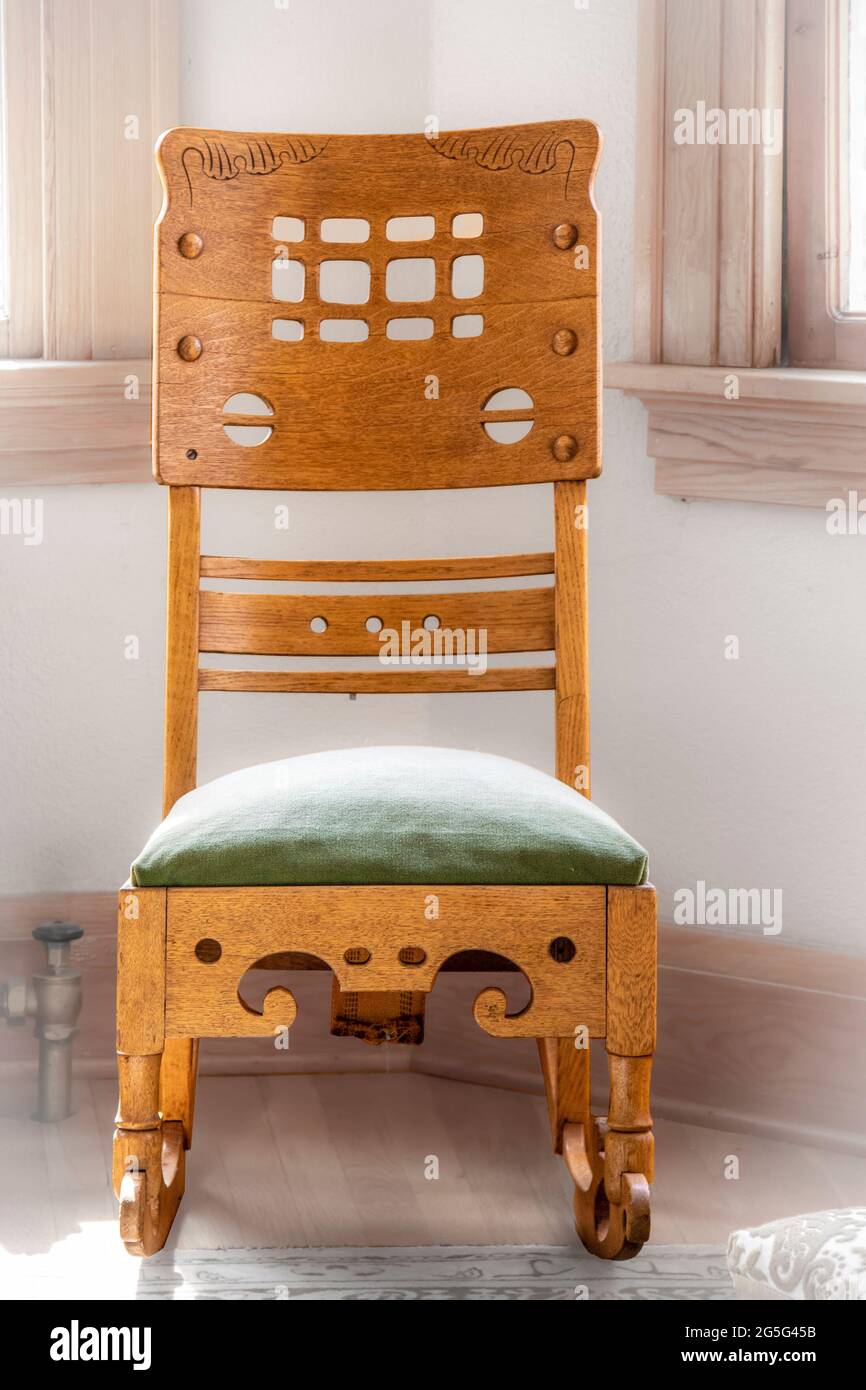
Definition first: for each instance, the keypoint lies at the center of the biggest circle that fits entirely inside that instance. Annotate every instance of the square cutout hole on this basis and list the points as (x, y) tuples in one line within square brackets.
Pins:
[(467, 325), (344, 282), (410, 228), (411, 281), (287, 280), (467, 277), (345, 229), (409, 330), (344, 330), (465, 224), (288, 229), (287, 330)]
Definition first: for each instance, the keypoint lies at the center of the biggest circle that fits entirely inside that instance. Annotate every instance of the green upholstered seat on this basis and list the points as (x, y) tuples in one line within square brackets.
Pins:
[(387, 815)]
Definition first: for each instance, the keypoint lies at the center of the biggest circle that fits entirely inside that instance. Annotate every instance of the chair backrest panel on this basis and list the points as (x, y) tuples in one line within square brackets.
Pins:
[(383, 412)]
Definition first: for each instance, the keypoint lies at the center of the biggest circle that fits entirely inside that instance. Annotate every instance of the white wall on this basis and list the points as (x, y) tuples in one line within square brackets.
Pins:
[(745, 774)]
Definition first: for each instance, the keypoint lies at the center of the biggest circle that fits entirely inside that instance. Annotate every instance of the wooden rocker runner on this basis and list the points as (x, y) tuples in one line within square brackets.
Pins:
[(318, 328)]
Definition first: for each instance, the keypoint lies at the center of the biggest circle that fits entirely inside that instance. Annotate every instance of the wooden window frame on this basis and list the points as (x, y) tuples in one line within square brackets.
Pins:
[(75, 349), (726, 421), (820, 333)]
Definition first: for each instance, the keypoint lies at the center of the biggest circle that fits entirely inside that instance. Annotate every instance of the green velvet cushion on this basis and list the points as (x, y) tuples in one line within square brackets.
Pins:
[(387, 815)]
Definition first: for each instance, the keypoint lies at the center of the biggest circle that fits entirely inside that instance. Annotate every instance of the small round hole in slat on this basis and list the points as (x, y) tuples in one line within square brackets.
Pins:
[(208, 951), (374, 624), (318, 625), (412, 955), (562, 949), (431, 622)]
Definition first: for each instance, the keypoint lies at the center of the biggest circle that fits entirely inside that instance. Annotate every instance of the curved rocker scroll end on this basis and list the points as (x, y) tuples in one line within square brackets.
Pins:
[(279, 1010), (613, 1230), (490, 1013), (151, 1167)]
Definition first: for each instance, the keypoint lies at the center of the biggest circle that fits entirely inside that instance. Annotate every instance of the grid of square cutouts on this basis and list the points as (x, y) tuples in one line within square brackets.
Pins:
[(345, 280)]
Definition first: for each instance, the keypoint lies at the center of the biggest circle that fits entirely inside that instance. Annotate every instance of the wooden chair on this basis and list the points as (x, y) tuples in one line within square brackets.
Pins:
[(355, 416)]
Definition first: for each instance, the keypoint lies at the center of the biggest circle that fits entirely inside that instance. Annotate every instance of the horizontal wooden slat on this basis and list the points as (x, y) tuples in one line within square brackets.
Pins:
[(429, 681), (379, 571), (513, 620)]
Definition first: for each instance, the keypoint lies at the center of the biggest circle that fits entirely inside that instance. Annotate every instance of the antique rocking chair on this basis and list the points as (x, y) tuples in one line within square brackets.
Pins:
[(483, 861)]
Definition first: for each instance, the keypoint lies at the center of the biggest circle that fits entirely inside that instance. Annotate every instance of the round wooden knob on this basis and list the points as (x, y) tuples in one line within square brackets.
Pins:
[(564, 342), (190, 245), (565, 235), (189, 348), (564, 448)]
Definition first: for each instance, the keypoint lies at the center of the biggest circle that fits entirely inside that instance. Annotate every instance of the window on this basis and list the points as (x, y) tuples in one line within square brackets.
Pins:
[(77, 201), (4, 197), (825, 210), (852, 298), (737, 406)]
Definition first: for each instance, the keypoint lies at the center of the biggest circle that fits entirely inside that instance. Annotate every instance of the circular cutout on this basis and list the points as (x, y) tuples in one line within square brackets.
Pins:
[(509, 398), (357, 955), (248, 436), (562, 949), (411, 955), (374, 624), (512, 399), (318, 625), (507, 431), (208, 951), (431, 622), (246, 403)]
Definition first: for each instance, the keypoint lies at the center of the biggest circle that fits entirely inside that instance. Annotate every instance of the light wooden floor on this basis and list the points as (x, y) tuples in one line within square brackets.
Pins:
[(341, 1160)]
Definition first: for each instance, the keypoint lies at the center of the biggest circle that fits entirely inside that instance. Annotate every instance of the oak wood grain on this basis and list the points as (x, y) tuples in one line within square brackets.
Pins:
[(422, 402), (182, 624), (379, 571), (141, 926), (428, 681), (517, 922), (631, 970), (512, 620)]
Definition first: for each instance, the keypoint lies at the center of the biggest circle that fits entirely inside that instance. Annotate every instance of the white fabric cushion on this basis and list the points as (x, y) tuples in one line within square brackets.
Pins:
[(816, 1257)]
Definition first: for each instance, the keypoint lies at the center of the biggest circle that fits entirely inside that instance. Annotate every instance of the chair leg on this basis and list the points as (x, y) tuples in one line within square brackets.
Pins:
[(148, 1158), (148, 1161), (177, 1079), (610, 1160)]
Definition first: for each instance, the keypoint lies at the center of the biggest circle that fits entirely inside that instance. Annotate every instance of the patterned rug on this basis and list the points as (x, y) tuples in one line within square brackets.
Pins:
[(480, 1272)]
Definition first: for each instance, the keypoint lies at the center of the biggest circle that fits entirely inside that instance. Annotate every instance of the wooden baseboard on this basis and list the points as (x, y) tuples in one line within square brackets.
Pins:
[(754, 1036)]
